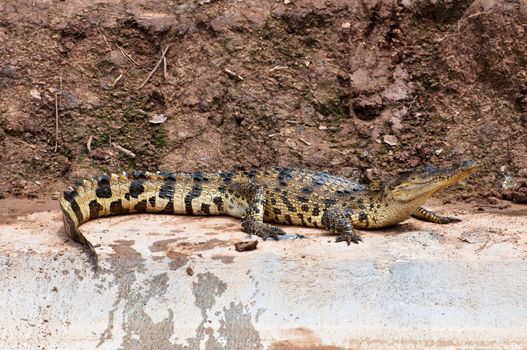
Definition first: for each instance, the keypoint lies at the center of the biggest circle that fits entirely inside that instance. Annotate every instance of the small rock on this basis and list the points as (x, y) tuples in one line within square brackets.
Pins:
[(290, 143), (509, 182), (35, 94), (189, 270), (390, 140), (322, 127), (158, 119), (8, 71), (117, 58), (437, 152), (337, 161), (155, 21), (69, 101), (346, 25), (245, 246)]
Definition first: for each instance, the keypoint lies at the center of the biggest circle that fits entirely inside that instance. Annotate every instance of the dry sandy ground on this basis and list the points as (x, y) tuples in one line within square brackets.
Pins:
[(497, 222)]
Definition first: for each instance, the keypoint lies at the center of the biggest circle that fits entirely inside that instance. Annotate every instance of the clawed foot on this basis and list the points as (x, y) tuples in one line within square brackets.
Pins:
[(269, 231), (448, 220), (349, 238), (262, 230)]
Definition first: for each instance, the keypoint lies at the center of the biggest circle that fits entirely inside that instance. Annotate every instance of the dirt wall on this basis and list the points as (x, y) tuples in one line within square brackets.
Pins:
[(359, 88)]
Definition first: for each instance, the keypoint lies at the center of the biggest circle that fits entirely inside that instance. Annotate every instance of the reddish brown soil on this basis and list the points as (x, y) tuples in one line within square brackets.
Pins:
[(358, 88)]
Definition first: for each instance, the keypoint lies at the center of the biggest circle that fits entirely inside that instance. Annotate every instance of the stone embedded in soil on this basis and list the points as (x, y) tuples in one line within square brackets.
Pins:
[(245, 246), (155, 21), (390, 140), (158, 119), (35, 94)]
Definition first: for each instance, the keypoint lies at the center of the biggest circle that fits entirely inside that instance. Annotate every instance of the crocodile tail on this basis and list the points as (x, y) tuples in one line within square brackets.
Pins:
[(108, 195), (141, 192), (71, 227)]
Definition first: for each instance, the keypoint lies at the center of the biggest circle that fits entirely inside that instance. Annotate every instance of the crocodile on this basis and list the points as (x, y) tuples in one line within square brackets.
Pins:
[(258, 196)]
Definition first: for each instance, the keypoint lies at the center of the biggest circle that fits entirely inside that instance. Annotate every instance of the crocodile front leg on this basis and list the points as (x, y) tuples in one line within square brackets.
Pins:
[(426, 215), (252, 220), (339, 221)]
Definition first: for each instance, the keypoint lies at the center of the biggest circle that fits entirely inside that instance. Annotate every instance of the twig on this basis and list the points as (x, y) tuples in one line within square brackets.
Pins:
[(127, 55), (412, 103), (477, 14), (124, 150), (165, 67), (156, 67), (57, 114), (149, 144), (88, 144), (56, 122), (305, 142), (277, 68), (298, 122), (117, 80), (104, 37), (233, 75)]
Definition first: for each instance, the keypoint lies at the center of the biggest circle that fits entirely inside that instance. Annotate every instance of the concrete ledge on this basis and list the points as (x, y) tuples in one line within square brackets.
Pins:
[(175, 282)]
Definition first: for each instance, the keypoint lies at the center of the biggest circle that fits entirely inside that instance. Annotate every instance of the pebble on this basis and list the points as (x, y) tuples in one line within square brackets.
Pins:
[(391, 140), (35, 94)]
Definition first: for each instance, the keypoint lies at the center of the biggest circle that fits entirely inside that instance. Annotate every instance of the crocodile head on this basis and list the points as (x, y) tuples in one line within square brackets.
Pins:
[(425, 181)]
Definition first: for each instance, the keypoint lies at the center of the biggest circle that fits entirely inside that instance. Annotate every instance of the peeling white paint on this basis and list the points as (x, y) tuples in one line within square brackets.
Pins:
[(414, 286)]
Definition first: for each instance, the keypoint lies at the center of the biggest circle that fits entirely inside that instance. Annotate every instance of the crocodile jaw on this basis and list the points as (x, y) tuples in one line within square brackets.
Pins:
[(421, 184)]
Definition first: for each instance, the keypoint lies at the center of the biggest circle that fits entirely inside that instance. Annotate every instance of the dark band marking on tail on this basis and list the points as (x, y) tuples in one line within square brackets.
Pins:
[(205, 208), (116, 207), (69, 225), (136, 187), (167, 191), (250, 173), (95, 208), (194, 193), (199, 177), (71, 196), (227, 177), (141, 206), (103, 187), (219, 203)]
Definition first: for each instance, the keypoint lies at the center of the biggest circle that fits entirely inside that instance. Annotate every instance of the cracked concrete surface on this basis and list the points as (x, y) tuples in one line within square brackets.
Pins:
[(417, 285)]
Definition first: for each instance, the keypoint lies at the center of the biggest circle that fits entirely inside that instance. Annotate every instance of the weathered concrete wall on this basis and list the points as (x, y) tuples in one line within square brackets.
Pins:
[(177, 283)]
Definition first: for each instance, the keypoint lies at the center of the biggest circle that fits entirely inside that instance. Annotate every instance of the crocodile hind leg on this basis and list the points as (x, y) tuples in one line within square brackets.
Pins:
[(339, 221), (426, 215), (252, 219)]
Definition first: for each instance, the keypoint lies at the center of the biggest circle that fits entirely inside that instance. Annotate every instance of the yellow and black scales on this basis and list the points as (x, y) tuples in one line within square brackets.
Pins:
[(281, 195)]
